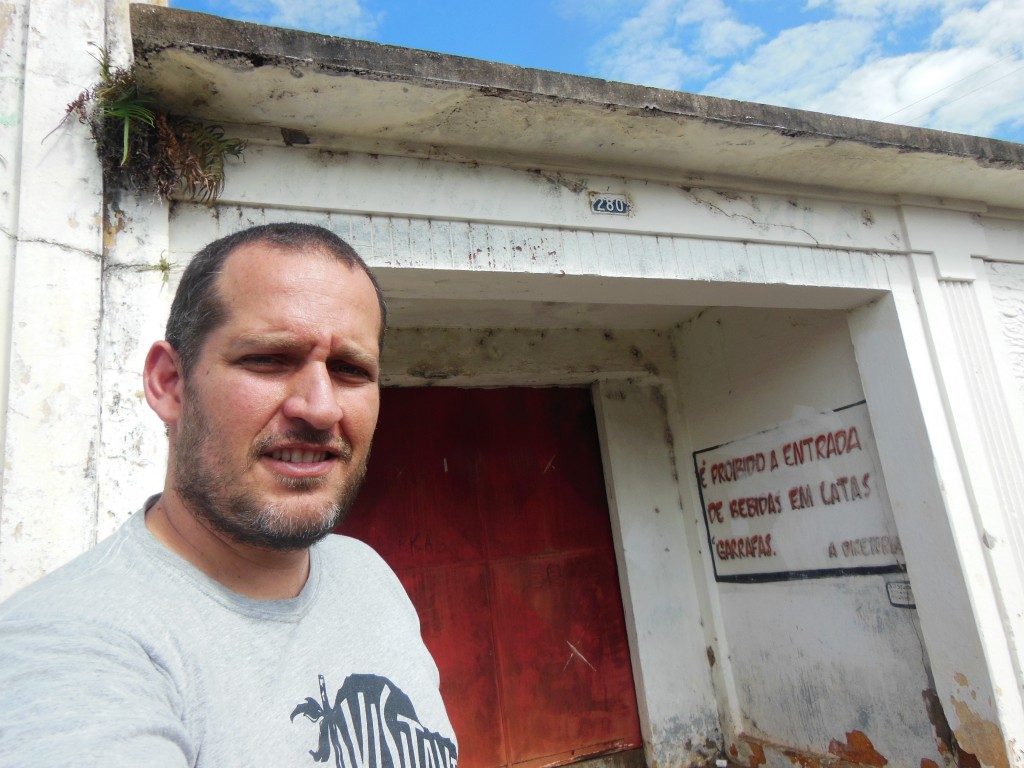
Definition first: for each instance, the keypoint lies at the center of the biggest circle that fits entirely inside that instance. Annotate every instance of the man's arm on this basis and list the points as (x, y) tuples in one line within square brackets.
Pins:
[(73, 693)]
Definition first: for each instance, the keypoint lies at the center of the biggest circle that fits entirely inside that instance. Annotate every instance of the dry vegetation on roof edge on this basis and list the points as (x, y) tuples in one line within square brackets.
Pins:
[(143, 148)]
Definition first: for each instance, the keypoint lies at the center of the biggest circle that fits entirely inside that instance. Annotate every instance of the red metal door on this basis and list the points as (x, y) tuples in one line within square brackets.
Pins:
[(490, 506)]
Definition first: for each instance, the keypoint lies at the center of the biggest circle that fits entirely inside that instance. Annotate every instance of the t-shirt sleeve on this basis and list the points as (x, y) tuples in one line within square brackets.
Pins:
[(392, 594), (72, 693)]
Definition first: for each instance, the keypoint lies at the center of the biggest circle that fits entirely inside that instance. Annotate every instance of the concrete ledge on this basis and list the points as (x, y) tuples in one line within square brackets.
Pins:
[(155, 28), (401, 99)]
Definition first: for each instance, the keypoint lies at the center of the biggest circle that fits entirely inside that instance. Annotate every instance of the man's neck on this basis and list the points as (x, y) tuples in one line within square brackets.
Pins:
[(255, 572)]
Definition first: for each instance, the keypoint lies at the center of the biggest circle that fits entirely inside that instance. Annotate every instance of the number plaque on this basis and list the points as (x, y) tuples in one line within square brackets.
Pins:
[(607, 203)]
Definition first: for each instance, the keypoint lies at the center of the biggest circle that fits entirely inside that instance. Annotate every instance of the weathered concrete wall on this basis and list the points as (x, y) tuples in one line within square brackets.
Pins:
[(959, 401), (138, 286), (319, 179), (49, 288), (813, 669), (659, 586), (51, 302), (1007, 281), (945, 532), (677, 250)]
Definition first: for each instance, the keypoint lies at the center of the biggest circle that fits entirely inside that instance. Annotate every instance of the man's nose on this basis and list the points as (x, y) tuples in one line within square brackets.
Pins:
[(312, 398)]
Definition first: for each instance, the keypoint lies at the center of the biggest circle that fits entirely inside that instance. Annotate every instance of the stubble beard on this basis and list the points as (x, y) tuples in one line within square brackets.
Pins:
[(206, 488)]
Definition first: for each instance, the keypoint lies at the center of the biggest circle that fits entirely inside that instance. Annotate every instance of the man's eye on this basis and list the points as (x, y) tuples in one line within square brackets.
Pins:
[(262, 361), (349, 369)]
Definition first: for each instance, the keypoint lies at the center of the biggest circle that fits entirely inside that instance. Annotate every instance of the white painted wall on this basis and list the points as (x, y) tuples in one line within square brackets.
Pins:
[(51, 303), (1003, 269), (663, 613), (798, 663), (1007, 285), (931, 502), (49, 288)]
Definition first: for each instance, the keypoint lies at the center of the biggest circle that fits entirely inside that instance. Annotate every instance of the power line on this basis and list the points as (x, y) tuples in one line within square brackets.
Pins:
[(964, 96), (946, 87)]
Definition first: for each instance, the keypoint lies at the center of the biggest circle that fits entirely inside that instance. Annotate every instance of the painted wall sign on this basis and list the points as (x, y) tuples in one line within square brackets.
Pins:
[(605, 202), (802, 500)]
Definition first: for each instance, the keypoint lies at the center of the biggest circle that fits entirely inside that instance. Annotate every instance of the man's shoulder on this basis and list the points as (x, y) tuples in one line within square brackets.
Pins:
[(344, 554), (98, 582), (347, 561), (338, 547)]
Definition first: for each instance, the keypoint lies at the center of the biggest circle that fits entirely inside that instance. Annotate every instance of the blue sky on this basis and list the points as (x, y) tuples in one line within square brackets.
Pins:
[(956, 65)]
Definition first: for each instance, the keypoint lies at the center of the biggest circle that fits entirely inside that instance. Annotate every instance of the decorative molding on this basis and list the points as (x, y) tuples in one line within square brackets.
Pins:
[(990, 408), (952, 237), (437, 244)]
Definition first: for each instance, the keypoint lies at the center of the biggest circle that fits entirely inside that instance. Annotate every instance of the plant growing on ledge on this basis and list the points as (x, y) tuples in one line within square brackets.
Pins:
[(144, 148)]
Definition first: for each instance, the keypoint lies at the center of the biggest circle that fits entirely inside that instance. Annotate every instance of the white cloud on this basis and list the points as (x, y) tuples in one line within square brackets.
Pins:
[(998, 25), (667, 43), (966, 76), (874, 9), (725, 37), (905, 85), (798, 65), (330, 17)]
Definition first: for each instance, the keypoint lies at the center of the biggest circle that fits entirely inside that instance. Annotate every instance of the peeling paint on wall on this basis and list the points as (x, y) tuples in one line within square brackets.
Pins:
[(749, 751), (113, 224), (7, 13), (979, 736), (857, 749), (692, 743)]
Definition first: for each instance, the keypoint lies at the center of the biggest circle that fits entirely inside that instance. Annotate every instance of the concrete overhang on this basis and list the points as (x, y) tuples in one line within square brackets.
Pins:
[(341, 93)]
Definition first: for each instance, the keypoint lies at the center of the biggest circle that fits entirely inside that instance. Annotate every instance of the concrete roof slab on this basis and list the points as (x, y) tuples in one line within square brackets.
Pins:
[(401, 100)]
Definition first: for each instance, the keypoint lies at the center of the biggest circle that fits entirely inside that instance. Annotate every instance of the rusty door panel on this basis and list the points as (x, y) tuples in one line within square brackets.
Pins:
[(418, 506), (461, 643), (549, 476), (490, 506), (565, 661)]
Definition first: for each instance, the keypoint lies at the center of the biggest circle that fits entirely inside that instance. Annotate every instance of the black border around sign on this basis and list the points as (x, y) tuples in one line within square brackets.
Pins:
[(760, 578)]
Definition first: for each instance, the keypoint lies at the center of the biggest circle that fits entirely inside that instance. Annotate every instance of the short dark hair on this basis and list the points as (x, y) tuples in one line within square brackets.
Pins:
[(198, 308)]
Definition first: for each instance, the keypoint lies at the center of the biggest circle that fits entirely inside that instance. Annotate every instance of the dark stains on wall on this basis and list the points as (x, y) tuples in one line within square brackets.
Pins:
[(943, 734)]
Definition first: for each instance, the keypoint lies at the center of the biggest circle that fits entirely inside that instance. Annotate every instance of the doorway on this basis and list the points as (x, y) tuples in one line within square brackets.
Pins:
[(490, 506)]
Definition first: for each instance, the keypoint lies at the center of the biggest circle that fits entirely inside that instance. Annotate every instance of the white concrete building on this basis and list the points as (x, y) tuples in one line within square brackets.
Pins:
[(727, 278)]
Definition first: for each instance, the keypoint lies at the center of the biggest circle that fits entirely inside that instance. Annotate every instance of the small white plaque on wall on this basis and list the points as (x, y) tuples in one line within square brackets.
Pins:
[(805, 499), (900, 594)]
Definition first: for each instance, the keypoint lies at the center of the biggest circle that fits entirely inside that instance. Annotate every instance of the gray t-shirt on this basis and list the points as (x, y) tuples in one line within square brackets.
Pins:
[(130, 656)]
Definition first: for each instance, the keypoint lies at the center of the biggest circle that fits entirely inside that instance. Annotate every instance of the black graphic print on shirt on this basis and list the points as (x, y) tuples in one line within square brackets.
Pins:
[(373, 725)]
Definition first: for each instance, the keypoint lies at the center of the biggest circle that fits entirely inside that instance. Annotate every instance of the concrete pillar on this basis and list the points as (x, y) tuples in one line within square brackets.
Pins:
[(51, 259), (950, 436)]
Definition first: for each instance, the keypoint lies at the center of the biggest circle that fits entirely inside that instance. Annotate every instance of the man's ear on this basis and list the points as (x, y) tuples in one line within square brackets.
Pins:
[(163, 381)]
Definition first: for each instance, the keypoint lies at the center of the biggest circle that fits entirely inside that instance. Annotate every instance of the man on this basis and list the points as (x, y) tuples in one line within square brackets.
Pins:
[(221, 625)]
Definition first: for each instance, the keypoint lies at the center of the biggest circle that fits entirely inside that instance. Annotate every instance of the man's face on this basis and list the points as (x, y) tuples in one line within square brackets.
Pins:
[(279, 411)]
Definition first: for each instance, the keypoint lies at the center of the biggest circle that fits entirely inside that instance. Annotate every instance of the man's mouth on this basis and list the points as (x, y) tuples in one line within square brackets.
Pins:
[(302, 453), (298, 456)]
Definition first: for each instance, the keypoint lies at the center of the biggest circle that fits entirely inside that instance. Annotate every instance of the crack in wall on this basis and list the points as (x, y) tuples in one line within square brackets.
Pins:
[(94, 255), (763, 226)]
